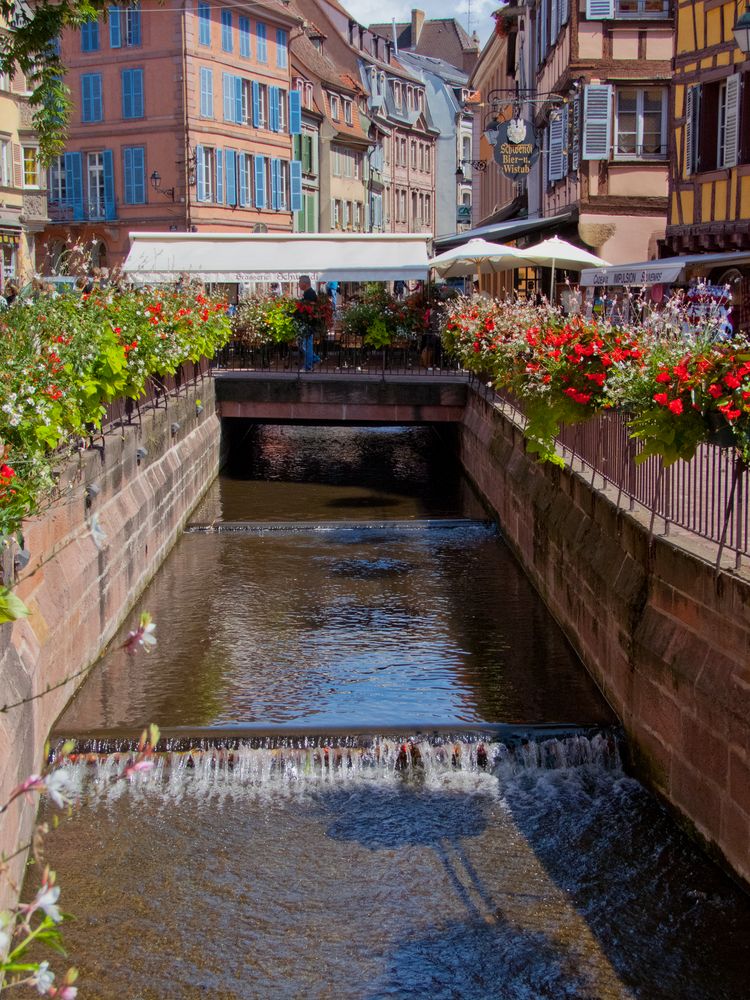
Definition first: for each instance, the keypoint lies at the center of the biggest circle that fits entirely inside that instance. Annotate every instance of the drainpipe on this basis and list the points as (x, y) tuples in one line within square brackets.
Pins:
[(185, 116), (395, 39)]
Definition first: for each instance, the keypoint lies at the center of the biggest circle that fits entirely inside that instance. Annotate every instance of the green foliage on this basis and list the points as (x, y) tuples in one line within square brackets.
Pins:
[(62, 359), (11, 607)]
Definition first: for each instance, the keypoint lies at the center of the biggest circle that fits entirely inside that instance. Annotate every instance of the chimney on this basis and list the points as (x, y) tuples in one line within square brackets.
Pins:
[(417, 20)]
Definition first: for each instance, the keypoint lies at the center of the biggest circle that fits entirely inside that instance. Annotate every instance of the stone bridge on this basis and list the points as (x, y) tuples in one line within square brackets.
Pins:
[(337, 398)]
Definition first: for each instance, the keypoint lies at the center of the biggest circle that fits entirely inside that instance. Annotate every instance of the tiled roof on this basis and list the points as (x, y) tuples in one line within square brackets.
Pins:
[(443, 38)]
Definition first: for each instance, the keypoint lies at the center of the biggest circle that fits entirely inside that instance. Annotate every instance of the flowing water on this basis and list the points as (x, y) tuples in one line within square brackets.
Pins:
[(387, 775)]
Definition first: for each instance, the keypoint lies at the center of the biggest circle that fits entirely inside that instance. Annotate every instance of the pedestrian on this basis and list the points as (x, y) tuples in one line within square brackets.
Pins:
[(307, 302)]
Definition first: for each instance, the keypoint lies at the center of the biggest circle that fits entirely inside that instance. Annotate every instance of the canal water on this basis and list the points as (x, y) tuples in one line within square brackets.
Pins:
[(387, 773)]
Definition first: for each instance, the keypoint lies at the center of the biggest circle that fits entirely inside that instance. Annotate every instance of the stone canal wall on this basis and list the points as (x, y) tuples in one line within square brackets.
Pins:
[(90, 561), (665, 637)]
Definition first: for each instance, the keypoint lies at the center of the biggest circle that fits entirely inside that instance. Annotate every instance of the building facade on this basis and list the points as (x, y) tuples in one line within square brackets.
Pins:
[(23, 198), (183, 121)]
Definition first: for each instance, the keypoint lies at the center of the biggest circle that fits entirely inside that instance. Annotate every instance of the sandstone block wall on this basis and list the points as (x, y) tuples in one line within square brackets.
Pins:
[(89, 564), (666, 638)]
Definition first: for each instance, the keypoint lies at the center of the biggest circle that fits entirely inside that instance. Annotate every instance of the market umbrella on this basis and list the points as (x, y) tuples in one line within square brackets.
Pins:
[(478, 256), (555, 252)]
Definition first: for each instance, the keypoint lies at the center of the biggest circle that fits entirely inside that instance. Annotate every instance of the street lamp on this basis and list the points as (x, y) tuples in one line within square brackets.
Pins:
[(155, 179), (742, 31)]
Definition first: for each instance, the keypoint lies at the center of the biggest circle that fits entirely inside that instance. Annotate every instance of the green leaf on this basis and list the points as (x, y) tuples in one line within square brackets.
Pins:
[(11, 607)]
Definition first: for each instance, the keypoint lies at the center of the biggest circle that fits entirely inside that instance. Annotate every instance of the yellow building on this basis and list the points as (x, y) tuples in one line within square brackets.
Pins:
[(709, 204), (23, 195)]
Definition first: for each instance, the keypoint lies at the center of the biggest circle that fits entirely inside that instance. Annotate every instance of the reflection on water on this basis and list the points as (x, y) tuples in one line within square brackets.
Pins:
[(352, 626), (529, 884)]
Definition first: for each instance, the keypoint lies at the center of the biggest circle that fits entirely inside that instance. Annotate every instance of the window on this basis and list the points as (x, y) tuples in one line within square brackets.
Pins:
[(335, 214), (427, 159), (403, 206), (6, 163), (57, 192), (261, 50), (91, 94), (282, 110), (204, 161), (413, 155), (245, 179), (232, 98), (641, 126), (397, 94), (414, 218), (403, 156), (281, 48), (641, 8), (95, 178), (124, 27), (357, 215), (243, 26), (30, 167), (134, 174), (334, 102), (335, 161), (427, 211), (90, 36), (348, 112), (261, 118), (421, 156), (132, 93), (207, 92), (226, 30), (729, 120), (204, 24)]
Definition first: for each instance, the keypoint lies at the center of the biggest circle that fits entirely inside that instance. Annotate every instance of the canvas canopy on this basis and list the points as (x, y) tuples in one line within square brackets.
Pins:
[(666, 271), (225, 257)]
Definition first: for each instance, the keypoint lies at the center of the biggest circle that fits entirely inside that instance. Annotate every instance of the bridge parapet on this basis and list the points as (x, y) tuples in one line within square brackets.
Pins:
[(373, 399)]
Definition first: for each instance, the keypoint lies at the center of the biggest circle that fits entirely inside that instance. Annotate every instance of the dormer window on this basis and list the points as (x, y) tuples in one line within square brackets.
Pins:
[(334, 102), (397, 94), (348, 112)]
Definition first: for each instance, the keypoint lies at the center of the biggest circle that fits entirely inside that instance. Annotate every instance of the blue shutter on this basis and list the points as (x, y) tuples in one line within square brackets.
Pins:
[(260, 42), (295, 185), (281, 55), (242, 171), (90, 36), (139, 175), (295, 112), (127, 175), (126, 77), (244, 29), (207, 92), (227, 91), (256, 104), (133, 22), (273, 108), (597, 121), (237, 99), (96, 97), (109, 185), (226, 30), (74, 183), (219, 176), (230, 161), (138, 110), (200, 175), (274, 184), (86, 97), (260, 182), (204, 24), (115, 31)]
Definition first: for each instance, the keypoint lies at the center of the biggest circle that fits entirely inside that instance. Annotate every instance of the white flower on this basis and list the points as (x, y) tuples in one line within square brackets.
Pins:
[(5, 922), (46, 899), (59, 787), (44, 978)]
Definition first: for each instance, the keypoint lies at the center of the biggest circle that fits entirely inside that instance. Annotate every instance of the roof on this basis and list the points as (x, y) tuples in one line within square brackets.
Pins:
[(666, 271), (225, 257), (505, 230), (443, 38)]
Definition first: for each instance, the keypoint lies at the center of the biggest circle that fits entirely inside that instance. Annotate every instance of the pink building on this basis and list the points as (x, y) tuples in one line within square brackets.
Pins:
[(183, 121)]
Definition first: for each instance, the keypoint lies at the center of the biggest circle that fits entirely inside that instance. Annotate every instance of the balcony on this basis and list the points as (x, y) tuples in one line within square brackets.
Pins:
[(83, 211), (642, 8)]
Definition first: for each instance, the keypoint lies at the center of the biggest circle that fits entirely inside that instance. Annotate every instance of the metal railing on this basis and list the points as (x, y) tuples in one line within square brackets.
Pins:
[(342, 356), (708, 496), (158, 391)]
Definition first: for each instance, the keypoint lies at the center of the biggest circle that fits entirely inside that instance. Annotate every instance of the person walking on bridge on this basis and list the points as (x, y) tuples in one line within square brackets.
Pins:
[(308, 312)]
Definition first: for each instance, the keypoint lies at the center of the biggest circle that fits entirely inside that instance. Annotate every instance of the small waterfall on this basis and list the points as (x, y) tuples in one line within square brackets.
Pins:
[(297, 766)]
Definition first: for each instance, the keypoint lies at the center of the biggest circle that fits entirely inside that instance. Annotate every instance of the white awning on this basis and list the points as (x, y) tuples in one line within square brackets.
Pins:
[(223, 257), (661, 272)]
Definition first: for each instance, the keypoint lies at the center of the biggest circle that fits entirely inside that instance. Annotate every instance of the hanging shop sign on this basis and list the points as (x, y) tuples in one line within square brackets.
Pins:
[(516, 148)]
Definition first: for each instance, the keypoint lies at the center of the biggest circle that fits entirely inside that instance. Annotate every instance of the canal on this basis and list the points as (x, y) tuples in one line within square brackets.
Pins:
[(390, 776)]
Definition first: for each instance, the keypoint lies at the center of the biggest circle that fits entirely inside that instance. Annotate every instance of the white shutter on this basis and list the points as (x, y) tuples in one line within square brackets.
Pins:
[(692, 112), (555, 170), (600, 10), (597, 121), (732, 121)]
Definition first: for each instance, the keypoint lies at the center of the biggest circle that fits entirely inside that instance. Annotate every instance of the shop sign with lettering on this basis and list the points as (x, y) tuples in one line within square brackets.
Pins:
[(516, 148)]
